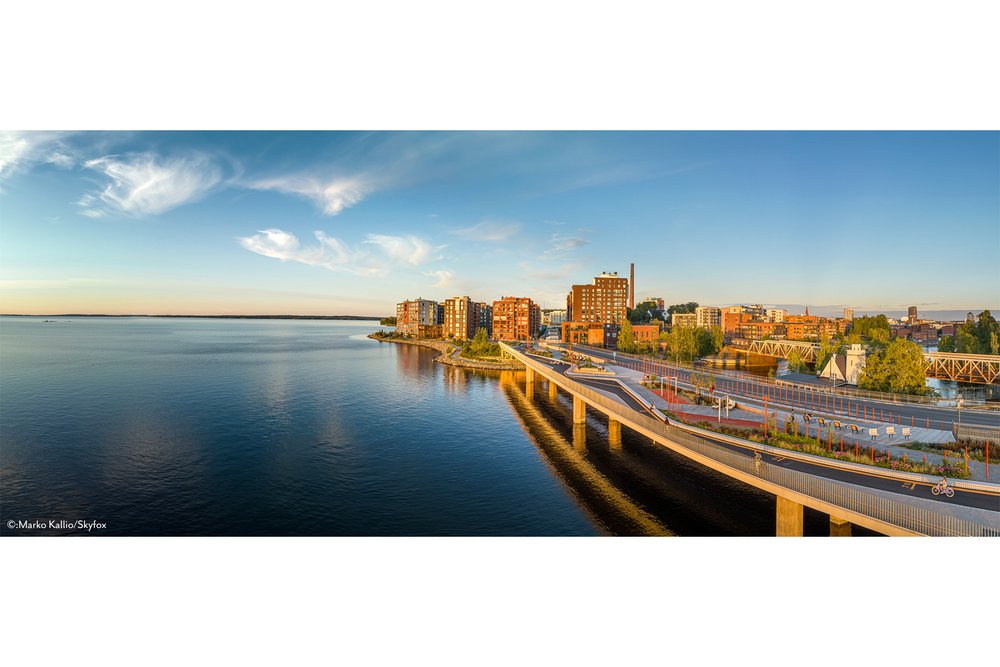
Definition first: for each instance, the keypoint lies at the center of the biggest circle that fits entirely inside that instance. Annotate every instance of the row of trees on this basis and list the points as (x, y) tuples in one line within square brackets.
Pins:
[(682, 343), (976, 337)]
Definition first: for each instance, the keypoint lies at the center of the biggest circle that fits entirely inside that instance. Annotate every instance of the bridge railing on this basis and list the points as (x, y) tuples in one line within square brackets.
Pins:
[(920, 516)]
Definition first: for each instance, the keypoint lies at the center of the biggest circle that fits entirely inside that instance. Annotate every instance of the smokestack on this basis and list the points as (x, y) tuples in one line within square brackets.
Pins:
[(631, 286)]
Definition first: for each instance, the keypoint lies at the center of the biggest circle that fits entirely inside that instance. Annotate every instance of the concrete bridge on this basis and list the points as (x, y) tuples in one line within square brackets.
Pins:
[(972, 368), (849, 493)]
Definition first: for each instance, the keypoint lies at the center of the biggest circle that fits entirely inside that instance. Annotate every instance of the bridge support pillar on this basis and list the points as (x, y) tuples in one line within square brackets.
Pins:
[(553, 390), (839, 527), (579, 411), (529, 375), (789, 518), (529, 389), (579, 436), (614, 433)]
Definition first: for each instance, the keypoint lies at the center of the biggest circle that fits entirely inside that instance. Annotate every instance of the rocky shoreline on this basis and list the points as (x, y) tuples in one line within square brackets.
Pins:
[(449, 354)]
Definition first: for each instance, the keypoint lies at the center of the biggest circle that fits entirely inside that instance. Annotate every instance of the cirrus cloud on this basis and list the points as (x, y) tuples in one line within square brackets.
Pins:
[(148, 184), (333, 196), (375, 255)]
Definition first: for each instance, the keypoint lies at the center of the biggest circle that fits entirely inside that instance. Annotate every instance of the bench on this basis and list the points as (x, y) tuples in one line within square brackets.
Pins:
[(807, 418), (855, 429), (837, 425), (906, 432), (873, 432), (822, 422), (890, 430)]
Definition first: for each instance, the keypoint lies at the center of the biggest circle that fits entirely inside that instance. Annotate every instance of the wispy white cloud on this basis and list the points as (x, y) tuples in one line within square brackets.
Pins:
[(407, 249), (60, 159), (331, 195), (330, 253), (489, 230), (376, 255), (561, 245), (148, 184), (444, 277), (21, 150)]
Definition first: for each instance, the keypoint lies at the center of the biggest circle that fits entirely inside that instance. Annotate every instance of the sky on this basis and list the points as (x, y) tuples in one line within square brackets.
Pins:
[(350, 223)]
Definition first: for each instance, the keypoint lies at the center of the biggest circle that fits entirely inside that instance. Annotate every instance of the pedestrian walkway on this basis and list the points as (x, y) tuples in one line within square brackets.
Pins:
[(883, 442)]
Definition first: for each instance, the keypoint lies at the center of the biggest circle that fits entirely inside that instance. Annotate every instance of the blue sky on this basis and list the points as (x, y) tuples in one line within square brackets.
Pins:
[(351, 223)]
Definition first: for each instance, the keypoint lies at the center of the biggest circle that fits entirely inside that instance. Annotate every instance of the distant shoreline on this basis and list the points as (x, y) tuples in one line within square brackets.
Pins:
[(213, 317)]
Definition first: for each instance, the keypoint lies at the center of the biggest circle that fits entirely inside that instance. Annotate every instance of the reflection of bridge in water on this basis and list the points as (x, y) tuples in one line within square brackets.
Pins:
[(971, 368)]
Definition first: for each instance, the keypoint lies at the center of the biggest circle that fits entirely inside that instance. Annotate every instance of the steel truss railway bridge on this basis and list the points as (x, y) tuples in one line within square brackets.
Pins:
[(885, 501), (973, 368)]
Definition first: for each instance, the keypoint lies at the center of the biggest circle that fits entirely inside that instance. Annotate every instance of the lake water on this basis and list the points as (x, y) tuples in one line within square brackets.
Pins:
[(164, 426)]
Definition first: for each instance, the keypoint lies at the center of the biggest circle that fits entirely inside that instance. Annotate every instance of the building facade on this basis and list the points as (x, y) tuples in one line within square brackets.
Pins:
[(684, 320), (604, 300), (484, 313), (461, 318), (516, 318), (708, 316), (776, 314), (418, 318)]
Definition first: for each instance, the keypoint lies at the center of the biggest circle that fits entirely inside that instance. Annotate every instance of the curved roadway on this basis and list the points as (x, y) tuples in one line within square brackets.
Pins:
[(819, 467)]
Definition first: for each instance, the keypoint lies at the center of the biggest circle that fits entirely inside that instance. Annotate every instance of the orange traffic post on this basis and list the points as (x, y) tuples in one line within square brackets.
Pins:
[(873, 453), (987, 459), (925, 459), (857, 453), (841, 443)]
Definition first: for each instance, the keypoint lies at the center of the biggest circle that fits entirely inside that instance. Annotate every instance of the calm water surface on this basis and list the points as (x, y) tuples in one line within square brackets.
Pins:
[(273, 427)]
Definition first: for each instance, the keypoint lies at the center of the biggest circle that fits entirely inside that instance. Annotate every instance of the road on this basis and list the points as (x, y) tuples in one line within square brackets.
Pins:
[(902, 414), (820, 468)]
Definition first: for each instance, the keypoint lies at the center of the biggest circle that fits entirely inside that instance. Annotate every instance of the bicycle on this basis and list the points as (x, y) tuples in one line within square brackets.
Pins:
[(942, 487)]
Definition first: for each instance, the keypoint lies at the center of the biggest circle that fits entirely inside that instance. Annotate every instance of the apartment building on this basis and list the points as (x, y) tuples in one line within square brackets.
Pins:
[(516, 318), (708, 316), (418, 318)]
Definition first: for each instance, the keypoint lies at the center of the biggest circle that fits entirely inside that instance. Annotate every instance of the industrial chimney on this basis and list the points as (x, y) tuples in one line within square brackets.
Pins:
[(631, 286)]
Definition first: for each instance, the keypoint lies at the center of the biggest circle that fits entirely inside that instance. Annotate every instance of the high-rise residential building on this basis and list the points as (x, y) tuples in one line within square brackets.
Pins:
[(418, 318), (684, 320), (604, 300), (776, 314), (708, 316), (461, 318), (484, 315), (912, 314), (849, 314), (516, 318)]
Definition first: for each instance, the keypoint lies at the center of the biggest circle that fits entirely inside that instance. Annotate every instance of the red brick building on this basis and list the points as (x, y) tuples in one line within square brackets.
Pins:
[(516, 318)]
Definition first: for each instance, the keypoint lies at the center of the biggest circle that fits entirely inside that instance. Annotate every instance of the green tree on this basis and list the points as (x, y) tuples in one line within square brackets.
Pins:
[(795, 363), (967, 339), (682, 343), (994, 344), (626, 338), (898, 368), (706, 342), (946, 344), (873, 329), (688, 307)]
